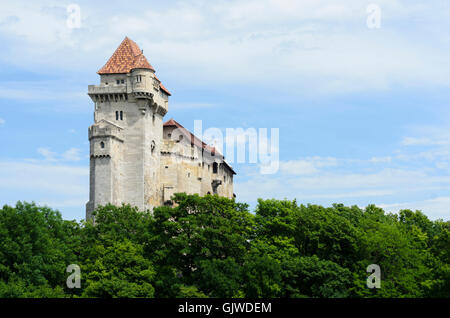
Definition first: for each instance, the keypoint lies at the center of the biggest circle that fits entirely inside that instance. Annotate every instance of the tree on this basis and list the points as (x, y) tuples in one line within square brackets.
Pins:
[(36, 246), (197, 230)]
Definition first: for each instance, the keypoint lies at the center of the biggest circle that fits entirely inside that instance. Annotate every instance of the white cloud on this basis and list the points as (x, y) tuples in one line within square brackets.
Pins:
[(304, 45), (306, 166), (54, 180), (47, 153), (44, 90), (72, 154), (436, 208), (350, 181), (381, 159), (2, 121), (191, 105), (411, 141), (53, 184)]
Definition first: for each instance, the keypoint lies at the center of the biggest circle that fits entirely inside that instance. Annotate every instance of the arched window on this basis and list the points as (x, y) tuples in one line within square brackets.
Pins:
[(117, 115), (121, 115), (215, 167), (102, 145)]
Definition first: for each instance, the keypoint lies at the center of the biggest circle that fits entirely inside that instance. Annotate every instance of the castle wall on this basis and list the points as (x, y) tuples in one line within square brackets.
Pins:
[(185, 169), (133, 158)]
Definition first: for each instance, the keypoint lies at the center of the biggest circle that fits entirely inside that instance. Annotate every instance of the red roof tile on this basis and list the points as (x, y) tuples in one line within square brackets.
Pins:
[(163, 87), (195, 141), (128, 56)]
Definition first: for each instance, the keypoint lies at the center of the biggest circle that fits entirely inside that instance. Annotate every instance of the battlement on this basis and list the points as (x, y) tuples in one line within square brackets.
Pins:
[(113, 131), (106, 89)]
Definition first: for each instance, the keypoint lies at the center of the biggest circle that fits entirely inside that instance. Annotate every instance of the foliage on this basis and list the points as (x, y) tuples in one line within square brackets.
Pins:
[(215, 247)]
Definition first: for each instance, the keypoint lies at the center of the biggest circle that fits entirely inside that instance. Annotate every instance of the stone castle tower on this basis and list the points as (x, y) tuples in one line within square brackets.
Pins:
[(134, 157)]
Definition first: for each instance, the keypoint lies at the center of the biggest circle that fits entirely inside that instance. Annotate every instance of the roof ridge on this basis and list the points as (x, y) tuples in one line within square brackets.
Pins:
[(210, 149)]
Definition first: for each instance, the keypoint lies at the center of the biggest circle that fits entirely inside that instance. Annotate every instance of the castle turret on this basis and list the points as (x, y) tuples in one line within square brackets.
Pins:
[(125, 139)]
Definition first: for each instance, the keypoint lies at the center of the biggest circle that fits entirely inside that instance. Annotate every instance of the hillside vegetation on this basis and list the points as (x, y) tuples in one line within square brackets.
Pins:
[(215, 247)]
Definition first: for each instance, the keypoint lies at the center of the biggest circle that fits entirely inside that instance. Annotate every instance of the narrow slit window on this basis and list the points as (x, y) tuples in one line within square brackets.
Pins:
[(102, 145), (121, 115), (117, 115)]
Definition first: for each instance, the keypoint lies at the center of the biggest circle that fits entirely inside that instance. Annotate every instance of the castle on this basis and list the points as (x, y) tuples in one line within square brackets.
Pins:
[(136, 158)]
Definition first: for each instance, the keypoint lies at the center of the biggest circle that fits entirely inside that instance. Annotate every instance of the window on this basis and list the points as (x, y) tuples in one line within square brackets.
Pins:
[(122, 81), (138, 78), (118, 82), (169, 135), (121, 115), (117, 115), (153, 145), (102, 145), (215, 167)]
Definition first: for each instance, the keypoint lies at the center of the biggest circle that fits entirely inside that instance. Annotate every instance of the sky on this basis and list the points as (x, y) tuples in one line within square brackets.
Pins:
[(362, 112)]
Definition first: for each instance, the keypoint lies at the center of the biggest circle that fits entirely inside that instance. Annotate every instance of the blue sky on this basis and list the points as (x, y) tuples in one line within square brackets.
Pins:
[(363, 114)]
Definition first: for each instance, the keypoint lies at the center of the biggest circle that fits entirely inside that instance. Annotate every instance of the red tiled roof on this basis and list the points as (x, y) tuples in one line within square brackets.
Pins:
[(161, 86), (127, 57), (195, 141)]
